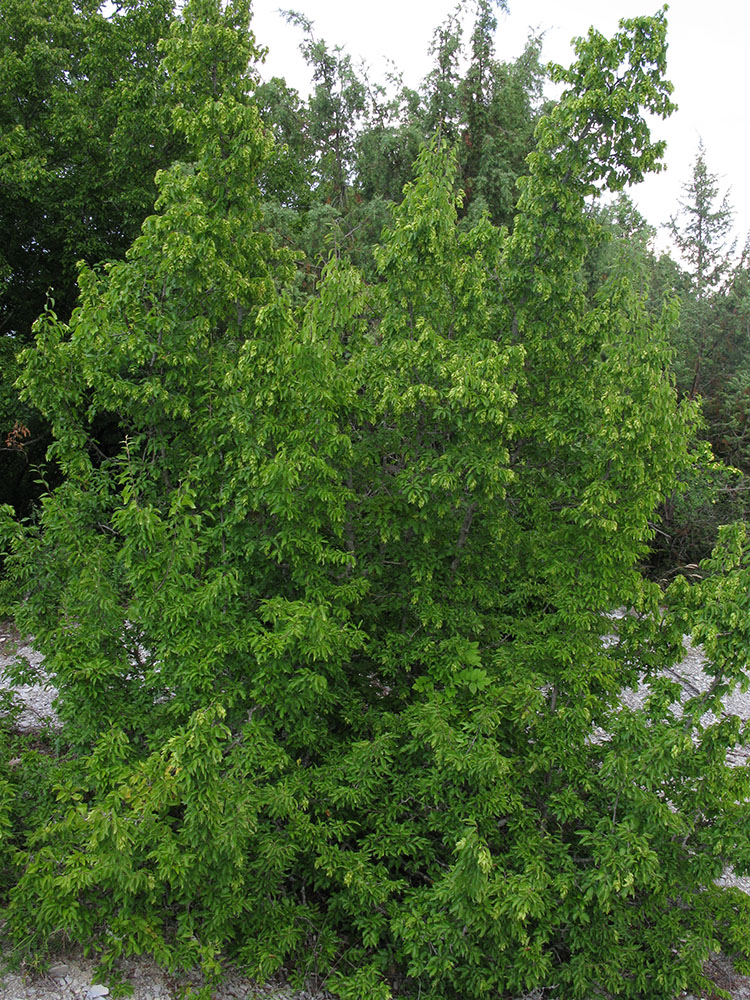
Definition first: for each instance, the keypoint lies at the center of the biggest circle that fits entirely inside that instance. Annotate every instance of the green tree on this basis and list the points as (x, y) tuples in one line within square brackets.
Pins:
[(334, 110), (498, 117), (329, 210), (442, 106), (499, 137), (389, 141), (731, 429), (84, 126), (711, 351), (287, 179), (351, 147), (700, 233), (490, 111), (328, 628)]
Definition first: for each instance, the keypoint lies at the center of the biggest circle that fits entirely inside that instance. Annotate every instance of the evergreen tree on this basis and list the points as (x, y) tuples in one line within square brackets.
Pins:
[(334, 109), (711, 351), (700, 233), (730, 429), (349, 150), (442, 110)]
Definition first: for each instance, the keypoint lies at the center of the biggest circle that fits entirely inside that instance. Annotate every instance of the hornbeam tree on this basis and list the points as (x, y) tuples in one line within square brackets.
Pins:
[(328, 629)]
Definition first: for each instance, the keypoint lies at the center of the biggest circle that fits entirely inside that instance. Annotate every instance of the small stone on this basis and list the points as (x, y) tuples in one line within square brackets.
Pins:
[(58, 971), (97, 991)]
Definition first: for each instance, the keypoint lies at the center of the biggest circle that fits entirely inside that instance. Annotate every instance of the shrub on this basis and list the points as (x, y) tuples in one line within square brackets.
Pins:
[(327, 628)]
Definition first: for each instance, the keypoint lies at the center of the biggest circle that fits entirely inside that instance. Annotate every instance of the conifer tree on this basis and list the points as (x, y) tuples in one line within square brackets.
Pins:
[(701, 233), (702, 229)]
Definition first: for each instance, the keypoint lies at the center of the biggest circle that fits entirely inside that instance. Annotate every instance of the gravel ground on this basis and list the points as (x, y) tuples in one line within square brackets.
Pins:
[(71, 976)]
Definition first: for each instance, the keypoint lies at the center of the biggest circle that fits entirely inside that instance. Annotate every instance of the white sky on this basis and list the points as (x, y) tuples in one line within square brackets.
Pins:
[(707, 62)]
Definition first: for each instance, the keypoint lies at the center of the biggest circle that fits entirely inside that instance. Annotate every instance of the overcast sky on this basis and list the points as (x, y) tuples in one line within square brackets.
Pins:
[(708, 48)]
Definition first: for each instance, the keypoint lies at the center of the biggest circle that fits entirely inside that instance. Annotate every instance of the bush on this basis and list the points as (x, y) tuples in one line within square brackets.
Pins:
[(327, 628)]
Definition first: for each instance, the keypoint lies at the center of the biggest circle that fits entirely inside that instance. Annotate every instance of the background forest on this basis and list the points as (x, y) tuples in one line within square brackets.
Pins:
[(334, 429)]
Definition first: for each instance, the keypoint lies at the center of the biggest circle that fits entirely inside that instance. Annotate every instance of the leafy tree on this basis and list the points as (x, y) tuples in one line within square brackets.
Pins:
[(328, 627), (83, 127), (287, 179)]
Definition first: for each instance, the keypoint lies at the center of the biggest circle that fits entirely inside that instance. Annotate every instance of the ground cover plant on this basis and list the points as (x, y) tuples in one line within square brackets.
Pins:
[(327, 622)]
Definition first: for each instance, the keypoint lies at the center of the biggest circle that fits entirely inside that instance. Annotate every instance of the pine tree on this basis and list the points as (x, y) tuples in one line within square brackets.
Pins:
[(701, 230), (700, 233)]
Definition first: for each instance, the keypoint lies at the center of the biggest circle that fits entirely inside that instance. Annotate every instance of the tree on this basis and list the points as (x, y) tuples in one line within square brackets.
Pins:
[(729, 426), (83, 128), (441, 83), (287, 179), (498, 138), (701, 234), (337, 103), (349, 151), (710, 361), (328, 209), (389, 141), (497, 118), (490, 112), (328, 628)]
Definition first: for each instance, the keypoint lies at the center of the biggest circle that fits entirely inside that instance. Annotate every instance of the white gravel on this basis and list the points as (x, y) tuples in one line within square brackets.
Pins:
[(36, 698), (71, 977)]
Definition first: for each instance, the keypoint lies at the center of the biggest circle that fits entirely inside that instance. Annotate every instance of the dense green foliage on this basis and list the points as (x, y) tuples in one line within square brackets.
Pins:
[(85, 122), (84, 125), (327, 620), (83, 128)]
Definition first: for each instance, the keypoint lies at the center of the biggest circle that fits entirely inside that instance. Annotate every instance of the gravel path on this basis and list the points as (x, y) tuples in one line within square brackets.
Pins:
[(71, 976)]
